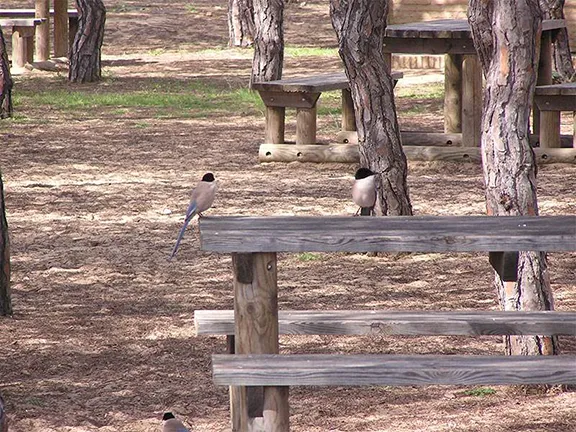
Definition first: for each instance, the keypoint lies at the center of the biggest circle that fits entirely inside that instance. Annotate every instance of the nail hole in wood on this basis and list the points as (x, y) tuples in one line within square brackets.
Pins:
[(299, 154), (268, 154)]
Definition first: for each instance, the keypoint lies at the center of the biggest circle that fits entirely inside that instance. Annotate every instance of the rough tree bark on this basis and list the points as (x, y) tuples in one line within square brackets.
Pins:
[(5, 298), (268, 40), (5, 81), (554, 9), (3, 418), (241, 23), (360, 26), (506, 35), (86, 52)]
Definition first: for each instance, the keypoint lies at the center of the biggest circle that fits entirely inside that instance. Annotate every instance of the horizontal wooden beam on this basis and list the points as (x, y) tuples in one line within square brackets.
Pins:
[(348, 153), (387, 234), (414, 138), (360, 322), (395, 370)]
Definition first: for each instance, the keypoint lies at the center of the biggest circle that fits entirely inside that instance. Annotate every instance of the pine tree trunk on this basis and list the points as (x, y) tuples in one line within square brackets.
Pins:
[(506, 35), (268, 40), (241, 23), (3, 418), (360, 27), (85, 58), (5, 298), (554, 9), (5, 81)]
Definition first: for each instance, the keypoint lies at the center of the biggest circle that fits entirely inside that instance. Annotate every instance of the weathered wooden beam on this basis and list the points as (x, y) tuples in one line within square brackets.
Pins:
[(388, 234), (348, 153), (436, 139), (43, 30), (362, 322), (394, 370), (256, 332), (61, 42)]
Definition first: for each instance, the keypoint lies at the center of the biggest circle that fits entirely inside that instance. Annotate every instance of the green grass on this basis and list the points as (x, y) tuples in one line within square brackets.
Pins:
[(424, 91), (480, 392), (308, 256), (298, 51), (172, 100)]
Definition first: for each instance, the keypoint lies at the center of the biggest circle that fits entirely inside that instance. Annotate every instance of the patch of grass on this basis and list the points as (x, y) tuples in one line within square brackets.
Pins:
[(308, 256), (425, 91), (298, 51), (190, 8), (172, 100), (480, 392)]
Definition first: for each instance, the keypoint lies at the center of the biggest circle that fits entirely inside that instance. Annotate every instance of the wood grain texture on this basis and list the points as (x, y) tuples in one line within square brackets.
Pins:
[(348, 153), (311, 83), (390, 233), (448, 28), (350, 322), (414, 138), (396, 370)]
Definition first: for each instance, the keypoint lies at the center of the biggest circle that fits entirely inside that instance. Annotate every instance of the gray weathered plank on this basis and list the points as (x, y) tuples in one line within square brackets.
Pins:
[(390, 233), (29, 13), (397, 370), (311, 83), (361, 322), (567, 89), (448, 29), (21, 22)]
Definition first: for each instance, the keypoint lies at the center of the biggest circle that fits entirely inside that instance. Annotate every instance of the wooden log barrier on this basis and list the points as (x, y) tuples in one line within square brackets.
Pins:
[(437, 139), (348, 153)]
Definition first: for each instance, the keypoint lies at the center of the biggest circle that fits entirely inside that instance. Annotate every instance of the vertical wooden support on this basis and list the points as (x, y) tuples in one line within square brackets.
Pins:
[(348, 116), (275, 124), (61, 43), (19, 47), (549, 129), (43, 30), (306, 125), (544, 75), (471, 101), (256, 332), (388, 61), (452, 93)]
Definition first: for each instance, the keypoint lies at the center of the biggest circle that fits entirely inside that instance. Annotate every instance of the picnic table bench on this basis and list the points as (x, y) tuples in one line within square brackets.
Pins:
[(31, 13), (551, 100), (254, 325), (302, 93), (22, 38)]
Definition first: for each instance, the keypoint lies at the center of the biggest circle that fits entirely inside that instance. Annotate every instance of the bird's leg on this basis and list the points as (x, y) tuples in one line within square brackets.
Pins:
[(358, 211)]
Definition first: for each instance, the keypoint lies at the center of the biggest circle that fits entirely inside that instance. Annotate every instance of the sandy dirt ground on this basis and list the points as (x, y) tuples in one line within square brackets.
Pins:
[(103, 338)]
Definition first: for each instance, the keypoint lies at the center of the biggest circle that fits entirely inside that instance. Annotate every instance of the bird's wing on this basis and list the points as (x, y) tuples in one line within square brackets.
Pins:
[(204, 195)]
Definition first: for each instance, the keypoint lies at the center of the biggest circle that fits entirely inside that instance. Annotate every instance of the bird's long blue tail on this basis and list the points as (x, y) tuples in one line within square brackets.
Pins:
[(189, 215)]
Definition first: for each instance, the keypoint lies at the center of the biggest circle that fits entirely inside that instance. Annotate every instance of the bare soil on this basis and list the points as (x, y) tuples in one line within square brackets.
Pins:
[(103, 338)]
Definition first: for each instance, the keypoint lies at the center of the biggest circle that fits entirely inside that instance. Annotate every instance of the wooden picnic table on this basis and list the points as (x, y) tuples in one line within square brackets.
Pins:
[(462, 71), (302, 93)]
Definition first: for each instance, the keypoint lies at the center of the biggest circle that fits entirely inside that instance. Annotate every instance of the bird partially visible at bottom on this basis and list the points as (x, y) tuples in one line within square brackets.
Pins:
[(172, 424), (201, 199), (364, 191)]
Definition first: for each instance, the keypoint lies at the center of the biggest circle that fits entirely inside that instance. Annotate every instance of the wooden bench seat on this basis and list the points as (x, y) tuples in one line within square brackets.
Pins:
[(551, 100), (259, 377), (302, 93), (365, 322), (23, 30), (387, 369)]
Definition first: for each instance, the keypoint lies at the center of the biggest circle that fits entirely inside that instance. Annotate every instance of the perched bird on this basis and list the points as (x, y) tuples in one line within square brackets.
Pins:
[(364, 191), (201, 200), (172, 424)]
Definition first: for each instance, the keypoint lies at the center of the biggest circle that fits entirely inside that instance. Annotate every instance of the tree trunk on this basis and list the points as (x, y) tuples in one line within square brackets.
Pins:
[(5, 298), (506, 35), (360, 27), (554, 9), (268, 40), (86, 52), (241, 23), (3, 418), (5, 81)]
